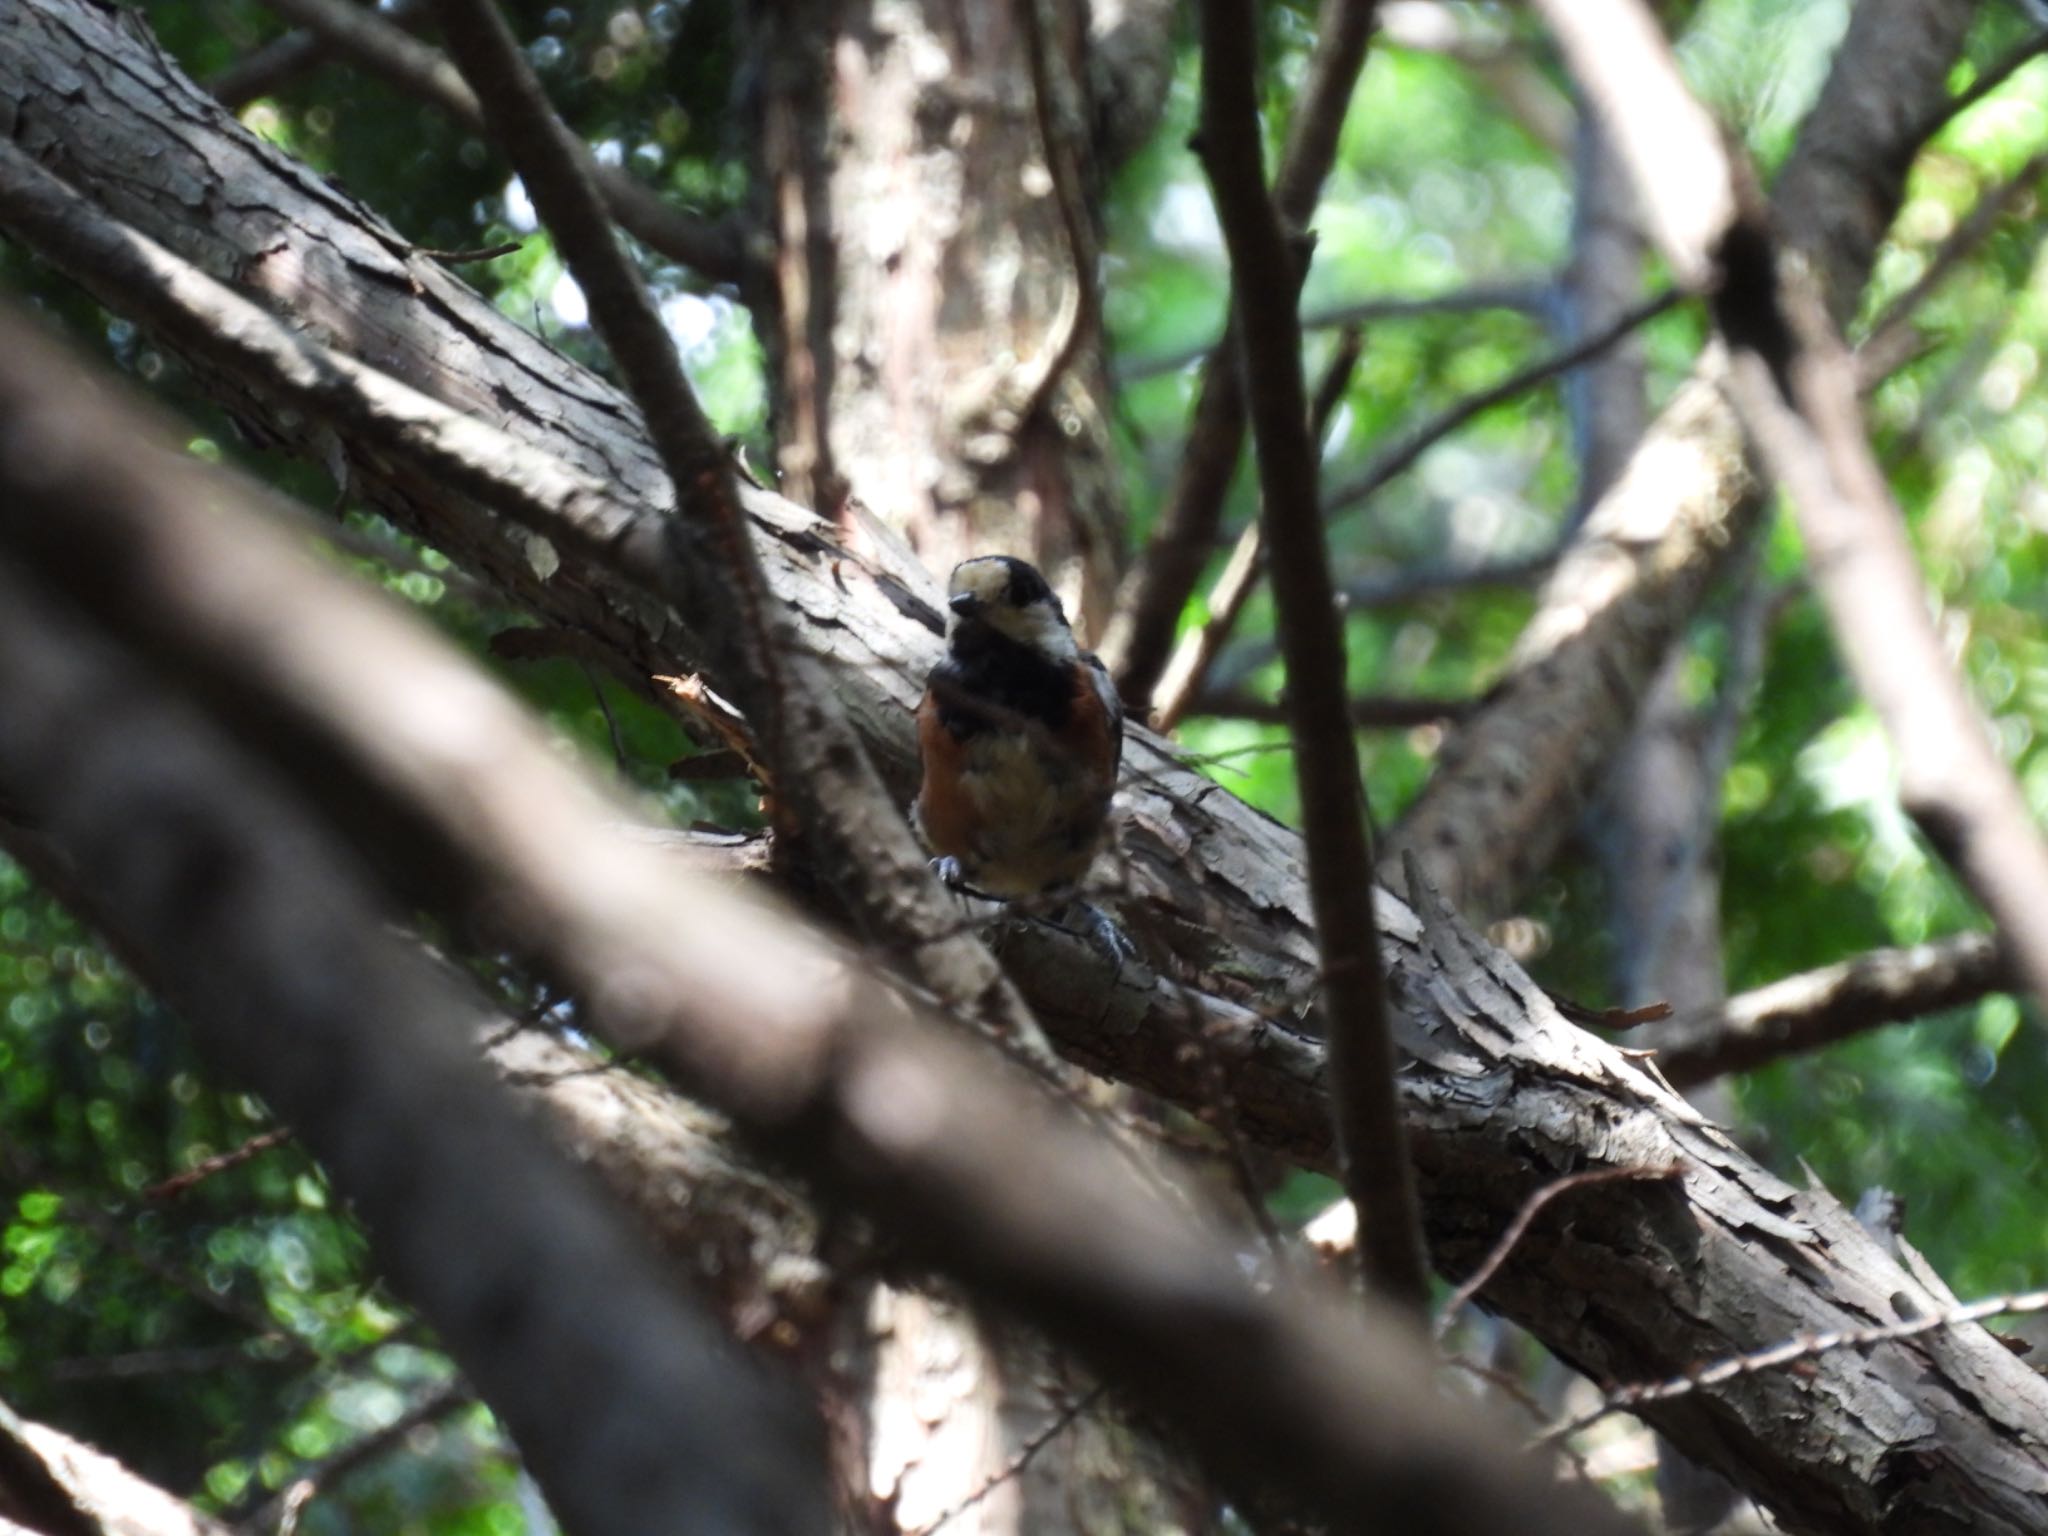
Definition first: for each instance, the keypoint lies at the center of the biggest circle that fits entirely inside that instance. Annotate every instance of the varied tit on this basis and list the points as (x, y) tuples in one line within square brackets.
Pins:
[(1021, 735)]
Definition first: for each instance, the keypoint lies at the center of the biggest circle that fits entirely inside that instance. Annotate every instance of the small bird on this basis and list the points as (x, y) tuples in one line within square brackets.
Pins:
[(1021, 735)]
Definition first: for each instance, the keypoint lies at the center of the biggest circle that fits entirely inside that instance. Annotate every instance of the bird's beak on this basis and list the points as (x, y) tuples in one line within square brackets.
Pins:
[(966, 604)]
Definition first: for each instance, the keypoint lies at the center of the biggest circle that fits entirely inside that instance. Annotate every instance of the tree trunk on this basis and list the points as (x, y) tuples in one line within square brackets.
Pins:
[(932, 312)]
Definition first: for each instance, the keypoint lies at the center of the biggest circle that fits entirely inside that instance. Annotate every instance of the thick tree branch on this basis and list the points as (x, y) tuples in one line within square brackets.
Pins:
[(1510, 780), (1140, 637), (809, 1052), (1372, 1151), (819, 765), (63, 1487), (1795, 385), (565, 1323), (1836, 1002)]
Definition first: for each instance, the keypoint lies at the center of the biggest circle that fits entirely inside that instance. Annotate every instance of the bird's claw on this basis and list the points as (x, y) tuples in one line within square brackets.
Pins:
[(947, 868), (1103, 929)]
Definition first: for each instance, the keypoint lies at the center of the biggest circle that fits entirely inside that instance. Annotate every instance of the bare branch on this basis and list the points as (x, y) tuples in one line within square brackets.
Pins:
[(1528, 297), (234, 1157), (281, 1512), (2021, 55), (1370, 712), (1372, 1148), (1796, 387), (1533, 1207), (1800, 1347), (1836, 1002), (569, 1328), (1510, 780), (1197, 649), (1140, 637), (1889, 337), (1402, 457), (713, 248)]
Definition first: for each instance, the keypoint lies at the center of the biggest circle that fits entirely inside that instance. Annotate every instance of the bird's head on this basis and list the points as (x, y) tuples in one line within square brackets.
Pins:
[(1009, 597)]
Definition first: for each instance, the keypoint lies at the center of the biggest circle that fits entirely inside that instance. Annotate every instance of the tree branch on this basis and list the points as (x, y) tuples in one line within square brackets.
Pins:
[(1509, 781), (1372, 1150), (623, 1402), (819, 766), (1836, 1002), (1196, 651), (715, 249), (1502, 1095), (1140, 637), (1796, 387)]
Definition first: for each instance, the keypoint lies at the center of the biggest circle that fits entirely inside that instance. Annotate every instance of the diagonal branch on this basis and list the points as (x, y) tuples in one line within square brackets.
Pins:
[(715, 249), (1836, 1002), (1372, 1150), (1510, 780)]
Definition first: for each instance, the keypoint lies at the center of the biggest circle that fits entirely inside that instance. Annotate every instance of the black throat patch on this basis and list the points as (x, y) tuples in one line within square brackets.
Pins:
[(989, 681)]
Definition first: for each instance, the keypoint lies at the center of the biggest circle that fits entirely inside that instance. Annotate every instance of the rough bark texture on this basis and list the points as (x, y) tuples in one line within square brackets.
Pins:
[(933, 315), (1511, 780), (1944, 1434)]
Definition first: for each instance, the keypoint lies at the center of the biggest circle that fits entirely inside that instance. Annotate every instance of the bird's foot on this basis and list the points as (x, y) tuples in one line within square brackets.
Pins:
[(950, 874), (1103, 929)]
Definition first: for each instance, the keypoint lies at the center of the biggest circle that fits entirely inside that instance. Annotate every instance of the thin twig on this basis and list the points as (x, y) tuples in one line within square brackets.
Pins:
[(1197, 649), (1402, 456), (1886, 343), (1528, 297), (220, 1162), (1505, 1383), (1525, 1217), (1788, 1352), (1371, 712), (280, 1513), (713, 248), (1027, 1453), (611, 725), (464, 257), (1148, 608), (1990, 80), (1371, 1141)]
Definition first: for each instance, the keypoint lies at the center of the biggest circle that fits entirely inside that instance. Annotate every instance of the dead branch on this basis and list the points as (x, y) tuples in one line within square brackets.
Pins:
[(1836, 1002), (1795, 1351)]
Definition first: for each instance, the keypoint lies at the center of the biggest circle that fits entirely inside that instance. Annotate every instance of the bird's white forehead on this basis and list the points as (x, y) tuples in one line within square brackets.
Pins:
[(987, 579)]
